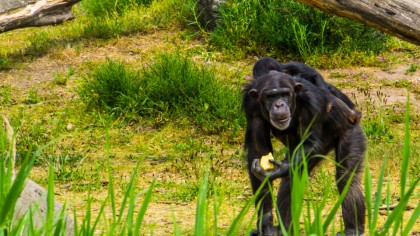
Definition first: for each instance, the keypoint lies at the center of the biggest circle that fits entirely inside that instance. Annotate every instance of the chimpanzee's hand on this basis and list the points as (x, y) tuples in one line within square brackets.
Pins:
[(281, 169)]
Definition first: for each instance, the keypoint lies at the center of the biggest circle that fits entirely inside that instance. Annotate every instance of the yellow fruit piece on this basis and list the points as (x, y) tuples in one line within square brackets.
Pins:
[(265, 163)]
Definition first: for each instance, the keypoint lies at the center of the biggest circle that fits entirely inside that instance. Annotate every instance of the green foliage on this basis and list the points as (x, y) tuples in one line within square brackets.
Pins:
[(125, 220), (5, 95), (5, 63), (171, 86), (39, 43), (10, 186), (111, 86), (105, 8), (411, 68), (33, 97), (286, 26), (200, 218), (128, 16), (377, 119), (62, 78)]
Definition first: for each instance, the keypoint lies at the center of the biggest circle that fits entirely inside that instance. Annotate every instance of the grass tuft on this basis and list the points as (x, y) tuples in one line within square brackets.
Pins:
[(182, 89)]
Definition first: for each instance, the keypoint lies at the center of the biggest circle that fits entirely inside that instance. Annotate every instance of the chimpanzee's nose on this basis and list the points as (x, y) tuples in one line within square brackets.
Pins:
[(279, 104)]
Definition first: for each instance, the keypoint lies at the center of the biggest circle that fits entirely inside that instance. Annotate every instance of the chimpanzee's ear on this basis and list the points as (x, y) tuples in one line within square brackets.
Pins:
[(254, 94), (298, 87)]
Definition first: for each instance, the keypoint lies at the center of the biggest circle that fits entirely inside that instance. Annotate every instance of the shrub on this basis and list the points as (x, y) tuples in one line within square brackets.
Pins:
[(286, 26), (112, 87), (171, 86)]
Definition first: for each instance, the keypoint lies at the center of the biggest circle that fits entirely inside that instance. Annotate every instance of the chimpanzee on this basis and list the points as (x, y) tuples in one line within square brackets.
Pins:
[(285, 106), (266, 64)]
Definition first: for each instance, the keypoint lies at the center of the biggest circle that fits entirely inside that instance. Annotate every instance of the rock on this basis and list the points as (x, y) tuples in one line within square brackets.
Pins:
[(35, 196)]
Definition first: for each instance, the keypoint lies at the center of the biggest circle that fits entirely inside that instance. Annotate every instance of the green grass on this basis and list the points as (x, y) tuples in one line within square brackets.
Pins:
[(110, 7), (96, 20), (177, 139), (285, 28), (124, 221), (171, 87)]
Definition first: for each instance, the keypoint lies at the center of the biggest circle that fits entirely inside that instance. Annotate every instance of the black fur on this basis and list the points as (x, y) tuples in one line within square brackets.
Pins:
[(266, 64), (328, 132)]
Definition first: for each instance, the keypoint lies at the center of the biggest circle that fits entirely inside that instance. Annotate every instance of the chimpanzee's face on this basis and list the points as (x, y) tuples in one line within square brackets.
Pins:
[(276, 95), (277, 102)]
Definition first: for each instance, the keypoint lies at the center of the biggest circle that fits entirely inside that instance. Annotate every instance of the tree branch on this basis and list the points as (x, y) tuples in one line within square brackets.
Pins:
[(400, 18), (25, 13)]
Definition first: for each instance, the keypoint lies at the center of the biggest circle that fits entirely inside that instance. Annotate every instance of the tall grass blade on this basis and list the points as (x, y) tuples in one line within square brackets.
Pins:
[(31, 223), (50, 201), (60, 226), (9, 203), (85, 228), (406, 147), (276, 209), (142, 212), (396, 216), (98, 217), (18, 226), (111, 192), (368, 194), (177, 230), (414, 217), (251, 222), (299, 184), (237, 222), (127, 194), (200, 216), (404, 162), (130, 213), (378, 198), (76, 226), (216, 207), (316, 226)]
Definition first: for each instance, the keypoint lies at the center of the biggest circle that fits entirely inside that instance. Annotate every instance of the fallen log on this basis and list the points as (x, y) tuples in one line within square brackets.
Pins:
[(26, 13), (400, 18)]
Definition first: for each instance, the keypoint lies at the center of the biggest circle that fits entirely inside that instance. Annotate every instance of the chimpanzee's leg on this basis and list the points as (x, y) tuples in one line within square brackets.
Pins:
[(265, 212), (349, 156), (284, 200)]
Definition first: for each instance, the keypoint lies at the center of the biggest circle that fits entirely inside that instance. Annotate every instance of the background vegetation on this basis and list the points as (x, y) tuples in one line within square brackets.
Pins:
[(135, 109)]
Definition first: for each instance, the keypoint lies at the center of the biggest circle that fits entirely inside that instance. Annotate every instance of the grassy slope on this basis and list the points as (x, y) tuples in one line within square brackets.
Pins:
[(173, 152)]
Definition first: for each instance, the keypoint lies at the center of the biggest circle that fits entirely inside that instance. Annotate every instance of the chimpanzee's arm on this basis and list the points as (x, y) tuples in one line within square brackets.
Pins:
[(257, 138), (282, 168)]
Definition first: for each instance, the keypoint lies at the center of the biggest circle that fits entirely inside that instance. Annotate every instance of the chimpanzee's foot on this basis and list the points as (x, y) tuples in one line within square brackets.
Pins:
[(271, 231), (350, 233)]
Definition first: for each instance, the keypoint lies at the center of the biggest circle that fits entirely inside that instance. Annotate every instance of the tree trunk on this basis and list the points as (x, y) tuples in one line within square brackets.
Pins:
[(25, 13), (400, 18)]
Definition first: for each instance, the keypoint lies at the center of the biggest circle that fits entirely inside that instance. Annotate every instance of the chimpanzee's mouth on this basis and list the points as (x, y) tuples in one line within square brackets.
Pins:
[(281, 120)]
